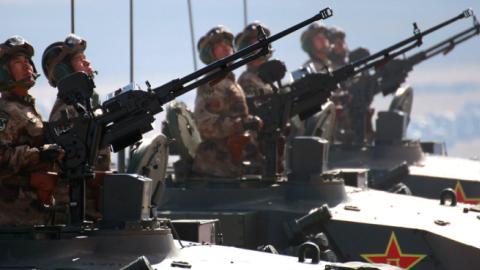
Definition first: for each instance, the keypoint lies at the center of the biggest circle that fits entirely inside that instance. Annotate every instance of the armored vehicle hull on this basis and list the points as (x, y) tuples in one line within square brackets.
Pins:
[(360, 224), (114, 249), (426, 175), (120, 241)]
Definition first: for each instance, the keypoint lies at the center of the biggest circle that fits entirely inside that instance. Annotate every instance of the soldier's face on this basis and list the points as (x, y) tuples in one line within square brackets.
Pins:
[(339, 46), (80, 62), (21, 68), (320, 43), (222, 50)]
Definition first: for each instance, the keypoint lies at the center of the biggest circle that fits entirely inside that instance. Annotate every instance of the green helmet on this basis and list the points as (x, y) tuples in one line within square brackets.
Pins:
[(307, 36), (12, 47), (205, 44), (249, 36), (335, 33), (56, 58)]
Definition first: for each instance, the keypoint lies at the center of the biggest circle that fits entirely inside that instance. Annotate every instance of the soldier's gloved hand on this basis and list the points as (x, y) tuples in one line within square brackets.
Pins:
[(252, 123), (45, 184), (51, 152)]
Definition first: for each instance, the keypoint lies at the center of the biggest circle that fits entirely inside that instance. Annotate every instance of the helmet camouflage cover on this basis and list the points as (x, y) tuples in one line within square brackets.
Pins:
[(335, 33), (205, 44), (307, 36), (10, 48), (249, 35), (56, 58)]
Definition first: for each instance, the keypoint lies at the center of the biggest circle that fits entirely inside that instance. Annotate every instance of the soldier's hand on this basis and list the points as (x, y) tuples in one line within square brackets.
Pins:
[(252, 123), (51, 152)]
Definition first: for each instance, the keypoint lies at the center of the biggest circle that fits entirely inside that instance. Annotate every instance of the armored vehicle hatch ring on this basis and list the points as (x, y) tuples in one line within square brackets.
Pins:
[(182, 129), (448, 195), (310, 248), (150, 159), (403, 101), (322, 124)]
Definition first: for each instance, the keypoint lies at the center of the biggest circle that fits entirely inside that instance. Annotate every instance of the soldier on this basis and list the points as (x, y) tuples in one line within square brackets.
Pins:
[(61, 59), (338, 57), (221, 114), (315, 42), (25, 160), (338, 54), (250, 82)]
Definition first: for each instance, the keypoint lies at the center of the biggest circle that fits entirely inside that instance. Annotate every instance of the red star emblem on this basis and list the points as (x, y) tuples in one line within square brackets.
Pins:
[(393, 255), (462, 198)]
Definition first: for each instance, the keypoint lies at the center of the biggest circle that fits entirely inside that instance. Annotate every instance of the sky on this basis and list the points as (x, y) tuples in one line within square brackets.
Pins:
[(162, 45)]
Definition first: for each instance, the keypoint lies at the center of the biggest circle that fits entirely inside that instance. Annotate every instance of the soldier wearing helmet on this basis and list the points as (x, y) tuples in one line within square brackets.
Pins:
[(61, 59), (316, 44), (249, 80), (338, 54), (25, 161), (222, 117), (338, 57)]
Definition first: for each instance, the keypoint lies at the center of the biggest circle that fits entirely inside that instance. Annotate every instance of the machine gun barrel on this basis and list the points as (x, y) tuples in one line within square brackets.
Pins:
[(376, 60), (222, 67), (312, 90), (445, 46), (404, 45)]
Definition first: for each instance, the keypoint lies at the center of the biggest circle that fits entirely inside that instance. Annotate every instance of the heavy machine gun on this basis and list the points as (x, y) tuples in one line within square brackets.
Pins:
[(308, 93), (123, 119), (388, 78), (404, 66)]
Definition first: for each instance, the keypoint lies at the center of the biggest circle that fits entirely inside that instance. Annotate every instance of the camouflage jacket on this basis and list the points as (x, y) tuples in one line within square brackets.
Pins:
[(220, 109), (252, 85), (21, 132), (21, 136), (320, 66), (103, 160)]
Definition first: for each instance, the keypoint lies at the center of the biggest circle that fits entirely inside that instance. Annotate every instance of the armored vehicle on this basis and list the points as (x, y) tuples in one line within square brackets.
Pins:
[(307, 207), (345, 222), (128, 237), (129, 234), (399, 164)]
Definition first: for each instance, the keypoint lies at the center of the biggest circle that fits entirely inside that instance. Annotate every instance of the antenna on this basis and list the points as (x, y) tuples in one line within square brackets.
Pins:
[(245, 13), (72, 16), (121, 154), (131, 43), (192, 34)]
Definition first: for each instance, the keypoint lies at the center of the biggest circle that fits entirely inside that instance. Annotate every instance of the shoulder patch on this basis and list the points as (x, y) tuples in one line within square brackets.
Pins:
[(3, 121)]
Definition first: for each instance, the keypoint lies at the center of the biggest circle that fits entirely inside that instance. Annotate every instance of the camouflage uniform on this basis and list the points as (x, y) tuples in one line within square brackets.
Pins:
[(320, 65), (353, 101), (21, 138), (252, 85), (56, 65), (249, 80), (220, 113), (337, 60), (340, 97), (103, 160)]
